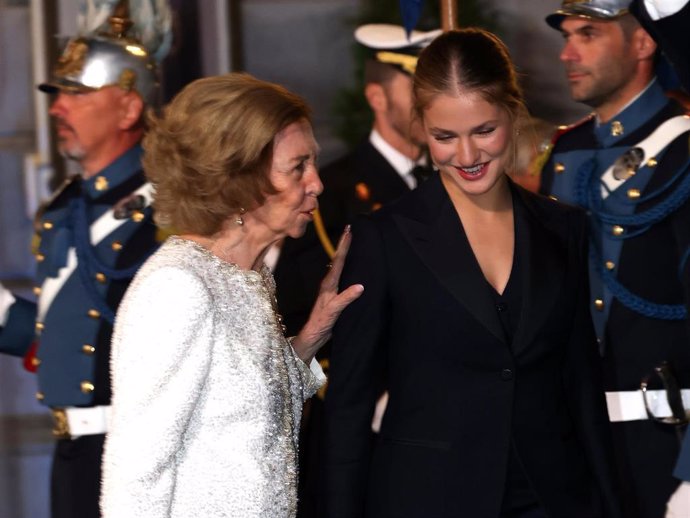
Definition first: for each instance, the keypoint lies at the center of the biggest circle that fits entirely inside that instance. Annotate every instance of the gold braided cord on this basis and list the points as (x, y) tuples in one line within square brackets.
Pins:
[(323, 235)]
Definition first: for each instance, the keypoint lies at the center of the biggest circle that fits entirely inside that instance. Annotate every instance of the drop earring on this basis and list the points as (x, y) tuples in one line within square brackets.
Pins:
[(239, 219)]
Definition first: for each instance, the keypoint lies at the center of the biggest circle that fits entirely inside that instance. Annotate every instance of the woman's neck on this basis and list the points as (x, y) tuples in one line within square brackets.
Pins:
[(235, 244), (497, 200)]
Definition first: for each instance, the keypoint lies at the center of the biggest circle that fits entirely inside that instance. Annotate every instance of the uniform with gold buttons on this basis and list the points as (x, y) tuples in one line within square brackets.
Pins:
[(669, 28), (639, 268), (632, 252), (71, 323)]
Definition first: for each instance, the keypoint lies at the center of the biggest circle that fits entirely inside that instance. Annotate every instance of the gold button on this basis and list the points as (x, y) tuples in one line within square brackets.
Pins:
[(94, 313), (117, 246), (35, 362), (101, 183), (47, 225), (40, 326), (562, 127), (137, 216), (558, 167), (633, 194), (610, 265), (86, 387), (37, 290), (617, 129), (100, 277), (617, 230), (88, 349), (652, 162), (40, 257), (40, 396), (599, 304), (552, 197)]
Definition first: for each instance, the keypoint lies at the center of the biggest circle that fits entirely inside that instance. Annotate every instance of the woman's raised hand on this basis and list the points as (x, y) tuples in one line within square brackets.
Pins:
[(328, 306)]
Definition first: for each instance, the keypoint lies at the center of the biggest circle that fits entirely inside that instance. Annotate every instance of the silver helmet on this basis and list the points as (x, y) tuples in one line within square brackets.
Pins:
[(89, 63), (598, 9)]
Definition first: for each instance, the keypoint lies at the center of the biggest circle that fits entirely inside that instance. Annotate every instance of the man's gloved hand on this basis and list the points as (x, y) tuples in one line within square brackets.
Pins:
[(6, 300)]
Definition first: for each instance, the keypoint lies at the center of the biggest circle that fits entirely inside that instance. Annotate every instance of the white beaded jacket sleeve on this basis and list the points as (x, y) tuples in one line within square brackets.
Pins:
[(207, 394)]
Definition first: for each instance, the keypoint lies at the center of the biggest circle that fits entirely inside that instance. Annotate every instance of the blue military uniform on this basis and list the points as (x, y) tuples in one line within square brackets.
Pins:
[(94, 234), (670, 34), (73, 332), (639, 271)]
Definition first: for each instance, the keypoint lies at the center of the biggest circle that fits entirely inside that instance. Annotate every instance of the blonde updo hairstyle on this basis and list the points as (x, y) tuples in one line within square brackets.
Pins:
[(468, 60), (209, 155)]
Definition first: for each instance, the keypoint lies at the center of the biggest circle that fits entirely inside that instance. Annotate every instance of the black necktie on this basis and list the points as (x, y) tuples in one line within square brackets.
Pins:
[(420, 173)]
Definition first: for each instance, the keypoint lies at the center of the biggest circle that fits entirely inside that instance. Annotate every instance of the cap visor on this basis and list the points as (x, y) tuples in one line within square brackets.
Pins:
[(554, 20), (48, 88), (58, 85)]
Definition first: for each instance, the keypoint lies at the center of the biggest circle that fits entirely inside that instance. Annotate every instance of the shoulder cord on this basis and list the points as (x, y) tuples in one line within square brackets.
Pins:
[(585, 192), (88, 264)]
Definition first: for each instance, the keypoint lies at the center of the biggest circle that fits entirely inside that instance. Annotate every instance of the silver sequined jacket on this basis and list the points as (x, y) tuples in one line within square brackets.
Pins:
[(207, 394)]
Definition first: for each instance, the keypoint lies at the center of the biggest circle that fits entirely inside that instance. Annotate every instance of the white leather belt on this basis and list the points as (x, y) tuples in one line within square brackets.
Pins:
[(629, 405), (73, 422)]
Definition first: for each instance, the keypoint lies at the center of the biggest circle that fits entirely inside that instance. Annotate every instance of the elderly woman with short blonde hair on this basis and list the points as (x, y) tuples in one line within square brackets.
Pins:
[(208, 391)]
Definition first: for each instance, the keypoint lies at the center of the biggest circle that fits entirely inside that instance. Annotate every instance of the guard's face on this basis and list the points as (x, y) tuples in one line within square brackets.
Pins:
[(600, 63), (295, 177), (470, 142), (88, 123), (399, 111)]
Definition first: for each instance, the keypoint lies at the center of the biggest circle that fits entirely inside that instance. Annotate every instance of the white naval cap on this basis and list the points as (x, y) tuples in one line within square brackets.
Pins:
[(390, 44)]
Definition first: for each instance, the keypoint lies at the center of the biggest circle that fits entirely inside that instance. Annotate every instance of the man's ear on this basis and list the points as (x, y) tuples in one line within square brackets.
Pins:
[(376, 97), (644, 44), (132, 106)]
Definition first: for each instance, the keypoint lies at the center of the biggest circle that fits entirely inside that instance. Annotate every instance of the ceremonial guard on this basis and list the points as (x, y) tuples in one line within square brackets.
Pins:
[(91, 237), (628, 165)]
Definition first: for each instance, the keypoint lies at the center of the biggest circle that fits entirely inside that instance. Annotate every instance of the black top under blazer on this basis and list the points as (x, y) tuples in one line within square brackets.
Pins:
[(459, 394)]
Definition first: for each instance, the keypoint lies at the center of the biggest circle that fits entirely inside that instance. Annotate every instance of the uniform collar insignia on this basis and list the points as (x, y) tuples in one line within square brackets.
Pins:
[(118, 172), (632, 117)]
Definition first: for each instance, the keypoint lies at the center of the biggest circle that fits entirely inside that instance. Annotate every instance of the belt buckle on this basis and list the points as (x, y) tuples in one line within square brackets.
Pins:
[(60, 423)]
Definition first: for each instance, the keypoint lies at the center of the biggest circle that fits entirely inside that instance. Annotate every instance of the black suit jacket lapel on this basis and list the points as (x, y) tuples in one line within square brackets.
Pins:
[(433, 229), (542, 265)]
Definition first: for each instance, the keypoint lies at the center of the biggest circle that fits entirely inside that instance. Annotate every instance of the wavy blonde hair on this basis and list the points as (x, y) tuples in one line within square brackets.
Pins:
[(209, 155)]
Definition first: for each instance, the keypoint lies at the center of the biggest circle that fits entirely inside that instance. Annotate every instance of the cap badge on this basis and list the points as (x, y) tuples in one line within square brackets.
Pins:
[(71, 62), (127, 79)]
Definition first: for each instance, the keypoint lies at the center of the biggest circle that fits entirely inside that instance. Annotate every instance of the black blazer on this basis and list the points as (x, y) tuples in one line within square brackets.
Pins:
[(458, 395)]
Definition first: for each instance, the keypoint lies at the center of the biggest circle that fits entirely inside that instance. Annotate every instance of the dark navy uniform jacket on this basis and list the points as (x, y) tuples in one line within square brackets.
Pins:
[(640, 243), (104, 226), (671, 34)]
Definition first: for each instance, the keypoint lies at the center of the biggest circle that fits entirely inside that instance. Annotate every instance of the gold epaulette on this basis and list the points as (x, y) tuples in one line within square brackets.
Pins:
[(38, 217), (545, 153)]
